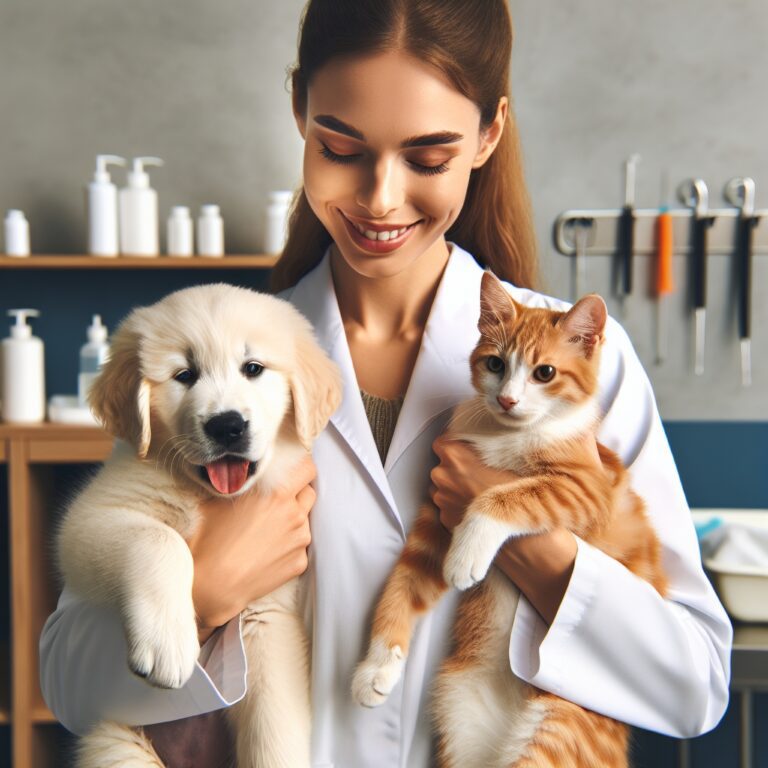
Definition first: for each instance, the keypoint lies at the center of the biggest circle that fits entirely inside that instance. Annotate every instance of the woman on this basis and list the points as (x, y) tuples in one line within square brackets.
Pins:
[(411, 165)]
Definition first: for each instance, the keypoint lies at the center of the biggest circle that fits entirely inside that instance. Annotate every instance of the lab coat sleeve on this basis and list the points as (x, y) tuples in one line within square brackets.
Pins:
[(616, 646), (85, 678)]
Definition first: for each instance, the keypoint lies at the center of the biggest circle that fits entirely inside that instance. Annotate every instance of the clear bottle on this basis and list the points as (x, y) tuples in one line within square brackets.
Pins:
[(179, 239), (210, 231), (23, 365), (276, 221), (16, 233), (93, 355), (102, 209), (138, 212)]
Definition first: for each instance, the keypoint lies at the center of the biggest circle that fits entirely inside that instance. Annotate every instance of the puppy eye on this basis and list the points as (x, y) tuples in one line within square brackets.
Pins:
[(186, 376), (544, 373), (252, 369), (495, 364)]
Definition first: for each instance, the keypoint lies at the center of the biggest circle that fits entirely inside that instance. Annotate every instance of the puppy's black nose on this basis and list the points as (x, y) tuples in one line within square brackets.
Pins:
[(228, 429)]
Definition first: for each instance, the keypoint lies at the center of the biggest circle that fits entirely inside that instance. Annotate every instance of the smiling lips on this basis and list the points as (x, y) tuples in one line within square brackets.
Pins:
[(381, 239)]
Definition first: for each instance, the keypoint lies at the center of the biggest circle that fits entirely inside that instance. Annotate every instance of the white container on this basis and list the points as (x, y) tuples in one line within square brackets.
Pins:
[(179, 239), (93, 355), (210, 231), (138, 212), (102, 209), (23, 372), (276, 221), (16, 233), (743, 589)]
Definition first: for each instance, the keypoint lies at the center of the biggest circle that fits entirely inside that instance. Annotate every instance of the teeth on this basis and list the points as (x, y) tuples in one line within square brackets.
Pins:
[(371, 235)]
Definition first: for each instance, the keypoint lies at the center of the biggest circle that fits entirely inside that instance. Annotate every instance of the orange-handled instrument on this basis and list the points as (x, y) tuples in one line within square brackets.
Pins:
[(665, 281)]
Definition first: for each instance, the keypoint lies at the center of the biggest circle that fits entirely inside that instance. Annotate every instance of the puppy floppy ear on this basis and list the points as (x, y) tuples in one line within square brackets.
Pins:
[(119, 396), (315, 387)]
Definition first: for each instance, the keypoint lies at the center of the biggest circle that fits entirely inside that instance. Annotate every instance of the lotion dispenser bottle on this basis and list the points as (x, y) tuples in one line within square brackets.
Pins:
[(138, 212), (102, 209), (23, 372), (93, 355)]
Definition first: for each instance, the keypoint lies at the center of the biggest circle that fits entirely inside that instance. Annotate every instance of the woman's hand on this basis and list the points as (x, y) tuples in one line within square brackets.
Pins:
[(246, 547), (539, 564)]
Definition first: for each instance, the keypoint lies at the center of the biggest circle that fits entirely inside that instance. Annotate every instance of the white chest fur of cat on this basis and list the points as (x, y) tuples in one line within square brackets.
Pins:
[(220, 391)]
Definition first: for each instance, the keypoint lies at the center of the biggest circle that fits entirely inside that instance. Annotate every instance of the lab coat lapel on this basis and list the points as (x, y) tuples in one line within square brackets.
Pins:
[(441, 376), (314, 296)]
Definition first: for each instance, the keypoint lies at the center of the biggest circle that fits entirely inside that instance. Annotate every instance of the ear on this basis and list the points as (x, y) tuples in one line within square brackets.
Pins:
[(119, 396), (316, 390), (584, 323), (497, 307), (490, 136)]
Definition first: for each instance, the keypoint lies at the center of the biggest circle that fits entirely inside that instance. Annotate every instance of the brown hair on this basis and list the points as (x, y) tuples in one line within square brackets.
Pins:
[(471, 42)]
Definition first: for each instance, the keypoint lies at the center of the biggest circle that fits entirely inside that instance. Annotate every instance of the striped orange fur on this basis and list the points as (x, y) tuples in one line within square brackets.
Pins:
[(535, 373)]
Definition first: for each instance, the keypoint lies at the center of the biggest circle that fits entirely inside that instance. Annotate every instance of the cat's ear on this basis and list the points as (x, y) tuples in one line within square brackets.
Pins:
[(496, 305), (584, 323)]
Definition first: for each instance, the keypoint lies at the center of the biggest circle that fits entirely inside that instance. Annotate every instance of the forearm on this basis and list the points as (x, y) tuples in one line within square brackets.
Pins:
[(85, 677), (540, 565)]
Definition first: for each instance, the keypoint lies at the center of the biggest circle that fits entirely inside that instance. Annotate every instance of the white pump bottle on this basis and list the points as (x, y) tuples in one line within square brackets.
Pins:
[(93, 355), (139, 233), (102, 208), (23, 372)]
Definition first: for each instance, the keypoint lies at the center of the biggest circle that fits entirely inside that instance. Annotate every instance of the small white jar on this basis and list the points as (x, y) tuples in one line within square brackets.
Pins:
[(210, 231), (16, 233), (276, 221), (179, 233)]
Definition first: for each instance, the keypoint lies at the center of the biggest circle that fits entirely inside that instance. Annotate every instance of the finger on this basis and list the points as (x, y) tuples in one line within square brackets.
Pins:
[(304, 473), (306, 497)]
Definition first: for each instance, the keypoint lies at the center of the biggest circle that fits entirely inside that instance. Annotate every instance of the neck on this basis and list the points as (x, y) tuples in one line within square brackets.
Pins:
[(391, 306)]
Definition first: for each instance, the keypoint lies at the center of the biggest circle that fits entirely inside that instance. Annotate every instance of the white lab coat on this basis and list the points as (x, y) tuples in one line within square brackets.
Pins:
[(615, 646)]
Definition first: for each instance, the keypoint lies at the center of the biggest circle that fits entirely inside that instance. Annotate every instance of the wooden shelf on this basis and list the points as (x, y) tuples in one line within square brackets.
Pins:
[(73, 261)]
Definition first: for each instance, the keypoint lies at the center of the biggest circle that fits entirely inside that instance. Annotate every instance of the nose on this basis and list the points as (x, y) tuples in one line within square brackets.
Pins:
[(507, 403), (383, 191), (228, 429)]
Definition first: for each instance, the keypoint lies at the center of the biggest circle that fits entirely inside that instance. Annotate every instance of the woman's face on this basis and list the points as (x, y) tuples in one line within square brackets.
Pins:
[(390, 145)]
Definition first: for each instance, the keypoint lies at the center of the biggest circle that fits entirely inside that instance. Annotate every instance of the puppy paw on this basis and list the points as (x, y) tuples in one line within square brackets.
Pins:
[(163, 651), (377, 675), (474, 544)]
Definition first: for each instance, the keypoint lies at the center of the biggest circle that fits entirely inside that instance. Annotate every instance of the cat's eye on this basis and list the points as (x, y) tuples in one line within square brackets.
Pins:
[(185, 376), (495, 364), (252, 369), (544, 373)]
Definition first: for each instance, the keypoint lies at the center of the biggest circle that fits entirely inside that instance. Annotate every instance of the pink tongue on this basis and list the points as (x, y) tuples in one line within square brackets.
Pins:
[(227, 475)]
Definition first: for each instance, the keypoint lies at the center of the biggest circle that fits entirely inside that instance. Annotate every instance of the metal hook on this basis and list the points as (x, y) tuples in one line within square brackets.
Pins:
[(694, 194), (740, 192)]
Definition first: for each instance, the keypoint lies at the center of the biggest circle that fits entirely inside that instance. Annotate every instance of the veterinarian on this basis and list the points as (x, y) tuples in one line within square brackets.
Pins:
[(412, 181)]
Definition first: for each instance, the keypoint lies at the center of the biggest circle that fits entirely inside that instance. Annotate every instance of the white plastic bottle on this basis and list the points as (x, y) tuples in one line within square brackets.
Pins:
[(23, 372), (210, 231), (102, 209), (16, 233), (138, 212), (93, 355), (179, 239), (276, 221)]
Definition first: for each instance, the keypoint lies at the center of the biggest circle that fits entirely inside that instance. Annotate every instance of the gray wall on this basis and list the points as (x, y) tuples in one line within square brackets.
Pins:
[(203, 86)]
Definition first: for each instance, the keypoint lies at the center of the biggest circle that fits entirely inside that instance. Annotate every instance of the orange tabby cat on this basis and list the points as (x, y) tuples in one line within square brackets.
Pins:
[(535, 372)]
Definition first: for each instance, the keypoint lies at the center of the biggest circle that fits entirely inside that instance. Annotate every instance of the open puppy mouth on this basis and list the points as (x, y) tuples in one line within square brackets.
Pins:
[(228, 474)]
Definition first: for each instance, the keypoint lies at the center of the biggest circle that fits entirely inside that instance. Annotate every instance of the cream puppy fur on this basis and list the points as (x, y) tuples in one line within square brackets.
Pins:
[(220, 390)]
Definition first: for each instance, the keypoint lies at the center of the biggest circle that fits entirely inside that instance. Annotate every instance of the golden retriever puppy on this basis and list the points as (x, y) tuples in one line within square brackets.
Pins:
[(220, 390)]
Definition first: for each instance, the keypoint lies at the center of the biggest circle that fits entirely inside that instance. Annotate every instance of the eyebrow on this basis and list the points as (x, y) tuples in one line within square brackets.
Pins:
[(428, 140)]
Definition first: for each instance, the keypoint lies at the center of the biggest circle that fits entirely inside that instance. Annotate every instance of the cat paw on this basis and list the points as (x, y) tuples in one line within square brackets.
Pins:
[(474, 544), (161, 650), (377, 675)]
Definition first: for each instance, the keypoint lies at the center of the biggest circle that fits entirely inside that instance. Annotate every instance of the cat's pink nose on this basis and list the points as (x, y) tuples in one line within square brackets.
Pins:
[(507, 403)]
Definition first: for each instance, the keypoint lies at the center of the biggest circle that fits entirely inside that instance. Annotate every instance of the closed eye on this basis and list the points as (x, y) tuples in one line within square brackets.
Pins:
[(424, 170)]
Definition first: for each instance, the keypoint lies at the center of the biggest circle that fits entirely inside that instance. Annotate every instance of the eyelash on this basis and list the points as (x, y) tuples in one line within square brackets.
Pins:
[(424, 170)]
